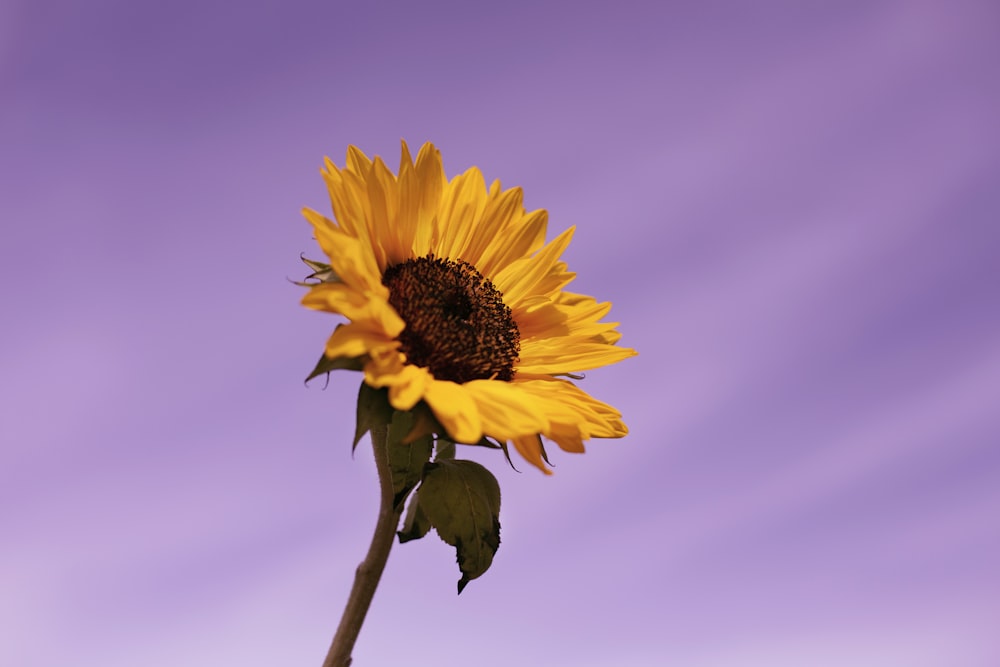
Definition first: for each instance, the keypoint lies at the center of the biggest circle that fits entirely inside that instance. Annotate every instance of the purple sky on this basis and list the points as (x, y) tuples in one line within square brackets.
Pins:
[(794, 211)]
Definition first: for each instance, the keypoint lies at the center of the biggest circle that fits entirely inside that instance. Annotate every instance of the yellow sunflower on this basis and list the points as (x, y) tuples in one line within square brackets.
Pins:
[(454, 299)]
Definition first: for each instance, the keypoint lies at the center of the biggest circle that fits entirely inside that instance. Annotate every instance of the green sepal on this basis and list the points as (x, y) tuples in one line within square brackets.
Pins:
[(373, 410), (445, 448), (487, 443), (406, 460), (326, 365), (545, 455), (415, 523), (321, 273), (502, 444), (461, 499)]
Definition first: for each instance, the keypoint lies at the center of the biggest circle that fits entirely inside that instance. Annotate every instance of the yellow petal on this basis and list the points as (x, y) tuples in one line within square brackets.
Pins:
[(566, 405), (356, 187), (352, 260), (357, 161), (551, 320), (518, 281), (567, 436), (383, 193), (461, 208), (553, 281), (530, 447), (407, 383), (411, 389), (556, 356), (345, 201), (365, 310), (518, 241), (349, 340), (503, 208), (506, 411), (431, 177), (409, 205), (456, 411)]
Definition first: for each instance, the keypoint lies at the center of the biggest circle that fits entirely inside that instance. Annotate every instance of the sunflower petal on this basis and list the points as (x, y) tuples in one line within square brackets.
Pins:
[(407, 383), (461, 208), (506, 411), (357, 161), (530, 447), (517, 242), (566, 405), (365, 310), (556, 356), (430, 175), (455, 409), (408, 211), (520, 279), (503, 207), (349, 340), (352, 260)]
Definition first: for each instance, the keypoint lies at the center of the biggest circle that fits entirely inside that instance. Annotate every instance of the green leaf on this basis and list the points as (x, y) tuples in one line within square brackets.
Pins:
[(462, 501), (406, 461), (415, 523), (444, 449), (373, 410)]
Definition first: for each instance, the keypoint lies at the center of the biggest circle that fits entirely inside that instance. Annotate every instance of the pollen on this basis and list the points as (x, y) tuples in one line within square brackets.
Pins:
[(457, 324)]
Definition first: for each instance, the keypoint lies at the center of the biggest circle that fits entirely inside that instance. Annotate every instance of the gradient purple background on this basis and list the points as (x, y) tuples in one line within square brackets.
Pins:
[(794, 210)]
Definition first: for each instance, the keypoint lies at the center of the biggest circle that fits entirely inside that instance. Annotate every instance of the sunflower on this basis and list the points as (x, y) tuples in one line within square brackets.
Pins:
[(454, 300)]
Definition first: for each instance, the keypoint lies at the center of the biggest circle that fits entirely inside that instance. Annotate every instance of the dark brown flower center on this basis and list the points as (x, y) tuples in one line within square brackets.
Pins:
[(457, 324)]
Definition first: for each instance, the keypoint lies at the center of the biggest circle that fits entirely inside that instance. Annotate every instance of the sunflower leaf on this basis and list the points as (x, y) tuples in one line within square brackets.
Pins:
[(444, 449), (406, 461), (415, 523), (373, 410), (461, 499), (326, 365)]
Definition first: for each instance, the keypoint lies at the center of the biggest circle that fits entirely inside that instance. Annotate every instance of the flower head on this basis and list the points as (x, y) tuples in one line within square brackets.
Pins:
[(455, 301)]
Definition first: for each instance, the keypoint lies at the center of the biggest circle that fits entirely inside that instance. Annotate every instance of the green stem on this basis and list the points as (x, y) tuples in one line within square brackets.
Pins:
[(369, 572)]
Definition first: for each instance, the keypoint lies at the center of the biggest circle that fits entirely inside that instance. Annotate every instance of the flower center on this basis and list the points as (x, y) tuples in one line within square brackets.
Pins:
[(457, 324)]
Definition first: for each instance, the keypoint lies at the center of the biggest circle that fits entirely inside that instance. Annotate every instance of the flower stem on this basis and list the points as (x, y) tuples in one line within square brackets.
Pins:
[(367, 576)]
